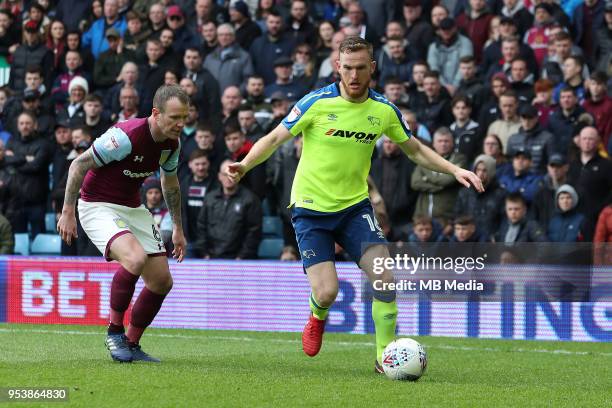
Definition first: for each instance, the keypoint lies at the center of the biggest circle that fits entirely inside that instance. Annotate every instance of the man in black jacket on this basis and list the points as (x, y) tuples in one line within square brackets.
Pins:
[(516, 227), (391, 173), (543, 206), (30, 156), (532, 137), (229, 224)]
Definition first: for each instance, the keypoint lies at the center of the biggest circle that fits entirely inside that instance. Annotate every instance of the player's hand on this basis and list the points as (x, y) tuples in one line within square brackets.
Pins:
[(180, 243), (468, 179), (235, 171), (67, 227)]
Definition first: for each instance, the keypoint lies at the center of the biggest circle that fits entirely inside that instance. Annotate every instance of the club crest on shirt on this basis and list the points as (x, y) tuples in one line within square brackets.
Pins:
[(294, 114), (111, 144), (120, 223), (374, 121)]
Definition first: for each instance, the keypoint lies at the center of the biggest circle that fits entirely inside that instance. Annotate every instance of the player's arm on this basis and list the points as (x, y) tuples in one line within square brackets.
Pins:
[(171, 190), (66, 225), (260, 152), (426, 157)]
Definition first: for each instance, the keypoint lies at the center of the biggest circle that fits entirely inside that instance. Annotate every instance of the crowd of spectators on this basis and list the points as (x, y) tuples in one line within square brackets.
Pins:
[(516, 90)]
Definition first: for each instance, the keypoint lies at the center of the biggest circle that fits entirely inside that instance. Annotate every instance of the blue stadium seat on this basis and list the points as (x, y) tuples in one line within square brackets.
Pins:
[(270, 248), (50, 223), (46, 244), (22, 244), (272, 227), (265, 207)]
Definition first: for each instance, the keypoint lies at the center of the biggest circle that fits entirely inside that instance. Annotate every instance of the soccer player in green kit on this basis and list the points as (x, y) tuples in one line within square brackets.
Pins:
[(340, 124)]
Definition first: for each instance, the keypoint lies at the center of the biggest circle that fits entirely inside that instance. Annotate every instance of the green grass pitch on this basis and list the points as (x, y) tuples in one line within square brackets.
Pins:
[(252, 369)]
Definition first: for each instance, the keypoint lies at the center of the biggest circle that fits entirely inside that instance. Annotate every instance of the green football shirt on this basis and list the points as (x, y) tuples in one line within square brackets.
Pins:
[(338, 141)]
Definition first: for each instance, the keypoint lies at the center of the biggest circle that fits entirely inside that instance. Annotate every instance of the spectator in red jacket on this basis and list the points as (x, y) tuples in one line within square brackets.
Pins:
[(599, 104), (475, 24)]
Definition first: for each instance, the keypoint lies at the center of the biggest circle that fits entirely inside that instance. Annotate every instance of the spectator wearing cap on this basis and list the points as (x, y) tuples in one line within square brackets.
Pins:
[(533, 137), (521, 16), (567, 223), (543, 100), (95, 38), (446, 51), (73, 112), (537, 37), (229, 64), (419, 32), (486, 207), (246, 29), (563, 121), (588, 17), (61, 150), (269, 46), (509, 122), (599, 105), (284, 82), (32, 51), (208, 87), (280, 109), (30, 102), (543, 205), (590, 173), (73, 64), (602, 52), (298, 23), (183, 36), (109, 63), (519, 178), (474, 23), (30, 155)]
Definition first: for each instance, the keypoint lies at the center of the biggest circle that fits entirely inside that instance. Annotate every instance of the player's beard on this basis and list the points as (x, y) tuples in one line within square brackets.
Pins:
[(357, 92)]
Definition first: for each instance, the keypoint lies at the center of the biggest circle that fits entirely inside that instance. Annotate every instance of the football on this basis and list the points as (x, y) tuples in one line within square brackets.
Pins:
[(404, 359)]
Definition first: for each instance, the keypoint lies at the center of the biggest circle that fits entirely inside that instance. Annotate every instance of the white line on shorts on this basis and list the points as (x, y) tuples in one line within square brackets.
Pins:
[(329, 342)]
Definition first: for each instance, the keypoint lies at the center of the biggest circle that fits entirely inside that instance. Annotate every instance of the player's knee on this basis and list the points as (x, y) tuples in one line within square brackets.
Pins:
[(165, 284), (135, 261), (326, 295)]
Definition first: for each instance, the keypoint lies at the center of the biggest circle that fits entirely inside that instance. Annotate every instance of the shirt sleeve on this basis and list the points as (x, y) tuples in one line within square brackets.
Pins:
[(113, 145), (300, 116), (170, 165), (397, 128)]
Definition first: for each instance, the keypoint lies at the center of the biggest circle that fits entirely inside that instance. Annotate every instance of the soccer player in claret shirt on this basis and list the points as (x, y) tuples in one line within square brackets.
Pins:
[(329, 198), (109, 176)]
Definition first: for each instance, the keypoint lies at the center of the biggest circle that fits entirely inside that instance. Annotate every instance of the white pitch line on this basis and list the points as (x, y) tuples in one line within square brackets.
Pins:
[(336, 343)]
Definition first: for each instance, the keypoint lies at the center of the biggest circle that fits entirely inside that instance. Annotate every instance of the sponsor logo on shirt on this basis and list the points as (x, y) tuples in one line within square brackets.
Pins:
[(332, 117), (360, 137), (111, 144), (138, 175)]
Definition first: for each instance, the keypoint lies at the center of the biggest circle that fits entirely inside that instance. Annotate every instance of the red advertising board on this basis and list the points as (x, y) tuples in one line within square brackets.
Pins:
[(59, 290)]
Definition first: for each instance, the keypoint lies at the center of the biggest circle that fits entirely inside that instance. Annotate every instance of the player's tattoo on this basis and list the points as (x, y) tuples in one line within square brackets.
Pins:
[(172, 195), (79, 167)]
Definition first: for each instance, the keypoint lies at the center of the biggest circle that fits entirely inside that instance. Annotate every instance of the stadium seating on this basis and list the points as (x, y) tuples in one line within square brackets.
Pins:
[(272, 227), (22, 244), (46, 244), (270, 248), (50, 222)]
